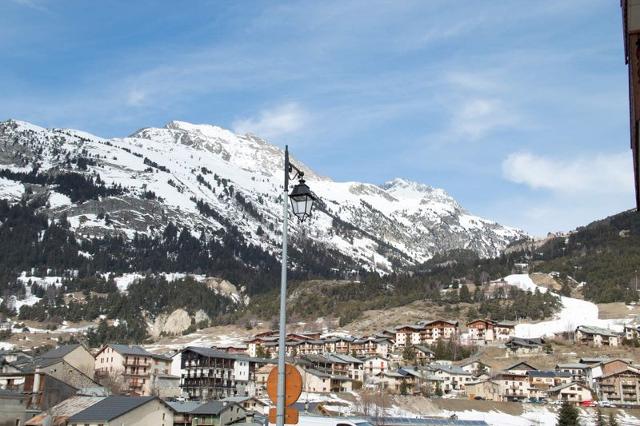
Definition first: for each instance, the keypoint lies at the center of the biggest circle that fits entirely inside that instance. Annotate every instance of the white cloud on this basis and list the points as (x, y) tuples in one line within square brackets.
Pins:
[(136, 97), (32, 4), (272, 123), (597, 174), (477, 117)]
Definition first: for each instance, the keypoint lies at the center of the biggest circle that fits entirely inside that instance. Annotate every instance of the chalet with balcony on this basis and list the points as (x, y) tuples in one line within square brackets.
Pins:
[(621, 386), (136, 366), (597, 336), (438, 329)]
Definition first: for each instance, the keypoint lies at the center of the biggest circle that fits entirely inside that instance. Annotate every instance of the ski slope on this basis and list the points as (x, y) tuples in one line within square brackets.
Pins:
[(574, 312)]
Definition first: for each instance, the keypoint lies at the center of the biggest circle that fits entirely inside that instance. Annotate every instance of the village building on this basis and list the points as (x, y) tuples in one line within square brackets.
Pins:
[(182, 415), (522, 347), (577, 370), (59, 414), (621, 386), (572, 392), (249, 403), (392, 381), (520, 368), (78, 356), (632, 331), (125, 410), (132, 368), (597, 336), (375, 365), (483, 331), (541, 381), (408, 335), (484, 390), (218, 413), (322, 382), (453, 378), (435, 330), (514, 386), (337, 364), (27, 394), (210, 374), (475, 367), (424, 355)]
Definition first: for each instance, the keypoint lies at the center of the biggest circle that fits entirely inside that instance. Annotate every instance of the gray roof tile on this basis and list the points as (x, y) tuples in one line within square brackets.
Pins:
[(110, 408)]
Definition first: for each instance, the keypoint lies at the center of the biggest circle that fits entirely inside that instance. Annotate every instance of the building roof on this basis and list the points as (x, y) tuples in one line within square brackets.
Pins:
[(211, 408), (183, 406), (448, 369), (110, 408), (626, 370), (573, 365), (411, 326), (548, 373), (429, 322), (589, 329), (344, 358), (519, 366), (563, 386), (65, 409), (524, 342), (433, 421), (130, 350), (423, 349), (241, 399), (594, 360), (60, 351), (212, 353)]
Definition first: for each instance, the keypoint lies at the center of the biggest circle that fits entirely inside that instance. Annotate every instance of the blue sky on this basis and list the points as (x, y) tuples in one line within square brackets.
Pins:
[(519, 109)]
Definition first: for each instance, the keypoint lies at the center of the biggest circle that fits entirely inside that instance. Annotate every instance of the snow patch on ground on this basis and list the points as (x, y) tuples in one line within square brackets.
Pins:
[(10, 189), (574, 312), (58, 200), (5, 346)]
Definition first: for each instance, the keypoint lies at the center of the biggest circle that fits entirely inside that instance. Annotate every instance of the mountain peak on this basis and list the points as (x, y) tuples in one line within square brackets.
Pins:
[(208, 130), (410, 189)]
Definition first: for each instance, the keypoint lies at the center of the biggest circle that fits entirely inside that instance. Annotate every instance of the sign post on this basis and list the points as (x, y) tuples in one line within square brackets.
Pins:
[(292, 391)]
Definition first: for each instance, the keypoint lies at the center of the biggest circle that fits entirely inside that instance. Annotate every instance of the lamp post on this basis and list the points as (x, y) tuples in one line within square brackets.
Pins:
[(301, 203)]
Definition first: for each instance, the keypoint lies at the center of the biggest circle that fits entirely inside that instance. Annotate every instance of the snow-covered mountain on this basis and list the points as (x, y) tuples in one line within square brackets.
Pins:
[(208, 178)]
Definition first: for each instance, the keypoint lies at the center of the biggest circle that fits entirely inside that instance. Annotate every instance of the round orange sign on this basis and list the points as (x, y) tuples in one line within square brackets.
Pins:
[(292, 384)]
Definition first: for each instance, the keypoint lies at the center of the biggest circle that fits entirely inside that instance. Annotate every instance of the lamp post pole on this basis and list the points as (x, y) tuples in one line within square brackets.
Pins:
[(283, 295), (302, 200)]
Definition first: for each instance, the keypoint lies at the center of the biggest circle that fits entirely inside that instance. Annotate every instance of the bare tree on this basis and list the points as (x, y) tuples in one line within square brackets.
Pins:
[(374, 404), (113, 382)]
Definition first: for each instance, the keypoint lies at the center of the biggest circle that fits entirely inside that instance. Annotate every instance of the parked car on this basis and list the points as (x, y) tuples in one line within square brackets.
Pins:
[(605, 404), (588, 404)]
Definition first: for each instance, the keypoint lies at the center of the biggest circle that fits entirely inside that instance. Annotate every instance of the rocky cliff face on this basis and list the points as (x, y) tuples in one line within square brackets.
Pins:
[(210, 179)]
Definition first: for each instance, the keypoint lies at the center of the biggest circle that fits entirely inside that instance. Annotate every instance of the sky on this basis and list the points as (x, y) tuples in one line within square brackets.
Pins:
[(518, 109)]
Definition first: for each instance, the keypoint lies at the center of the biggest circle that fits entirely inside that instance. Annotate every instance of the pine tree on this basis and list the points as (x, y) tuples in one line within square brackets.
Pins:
[(612, 420), (568, 415), (600, 418)]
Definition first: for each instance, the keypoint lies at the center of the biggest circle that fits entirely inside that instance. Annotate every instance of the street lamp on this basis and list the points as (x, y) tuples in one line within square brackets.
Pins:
[(302, 200)]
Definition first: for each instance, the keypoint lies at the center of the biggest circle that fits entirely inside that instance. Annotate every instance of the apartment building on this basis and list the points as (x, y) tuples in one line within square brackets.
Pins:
[(132, 368), (622, 386), (483, 331), (438, 329), (207, 373)]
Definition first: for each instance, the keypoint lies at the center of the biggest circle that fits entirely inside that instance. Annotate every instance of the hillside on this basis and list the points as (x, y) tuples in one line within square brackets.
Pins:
[(601, 259)]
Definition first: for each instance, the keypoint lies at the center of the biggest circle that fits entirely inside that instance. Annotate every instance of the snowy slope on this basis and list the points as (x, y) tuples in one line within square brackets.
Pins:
[(574, 312), (239, 177)]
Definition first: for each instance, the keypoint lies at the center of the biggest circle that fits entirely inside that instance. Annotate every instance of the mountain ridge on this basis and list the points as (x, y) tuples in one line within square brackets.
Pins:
[(173, 172)]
